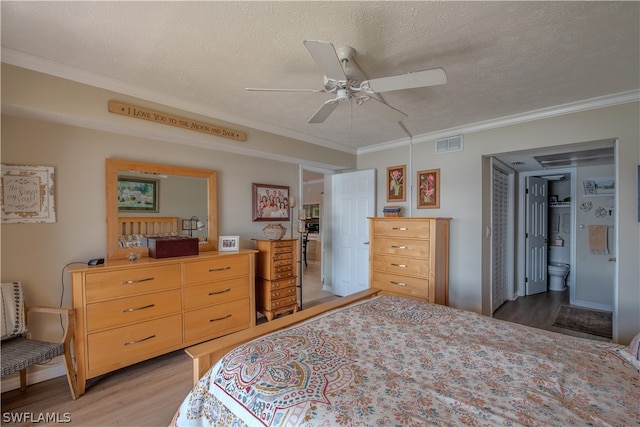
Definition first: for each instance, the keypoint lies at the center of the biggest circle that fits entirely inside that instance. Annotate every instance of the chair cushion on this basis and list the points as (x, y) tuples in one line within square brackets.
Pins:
[(19, 353), (12, 317)]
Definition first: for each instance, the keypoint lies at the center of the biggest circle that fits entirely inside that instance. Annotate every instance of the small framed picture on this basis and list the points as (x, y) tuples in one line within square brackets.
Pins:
[(395, 183), (429, 189), (228, 243)]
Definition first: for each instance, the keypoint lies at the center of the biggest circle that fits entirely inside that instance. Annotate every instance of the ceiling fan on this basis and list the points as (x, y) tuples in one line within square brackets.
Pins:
[(343, 78)]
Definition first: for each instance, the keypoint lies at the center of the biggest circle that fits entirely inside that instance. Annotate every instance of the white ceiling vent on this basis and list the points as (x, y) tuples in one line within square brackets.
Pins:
[(449, 145)]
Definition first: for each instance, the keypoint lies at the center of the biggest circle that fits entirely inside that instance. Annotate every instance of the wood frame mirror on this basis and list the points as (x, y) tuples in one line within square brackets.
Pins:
[(114, 166)]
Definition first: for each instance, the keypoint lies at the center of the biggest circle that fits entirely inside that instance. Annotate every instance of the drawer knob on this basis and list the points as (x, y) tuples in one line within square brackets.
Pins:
[(400, 228), (220, 318), (399, 265), (220, 292), (398, 283), (139, 341), (129, 282), (129, 310), (211, 270), (398, 247)]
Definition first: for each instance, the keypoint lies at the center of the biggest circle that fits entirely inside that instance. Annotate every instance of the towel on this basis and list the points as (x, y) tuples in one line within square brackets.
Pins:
[(13, 322), (598, 239)]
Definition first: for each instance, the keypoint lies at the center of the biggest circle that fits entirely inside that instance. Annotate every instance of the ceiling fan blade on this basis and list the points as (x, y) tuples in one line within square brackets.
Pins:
[(257, 89), (324, 111), (327, 59), (436, 76), (382, 109)]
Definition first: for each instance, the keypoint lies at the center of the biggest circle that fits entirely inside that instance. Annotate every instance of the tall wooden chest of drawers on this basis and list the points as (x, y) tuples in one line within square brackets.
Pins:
[(410, 256), (127, 312), (276, 278)]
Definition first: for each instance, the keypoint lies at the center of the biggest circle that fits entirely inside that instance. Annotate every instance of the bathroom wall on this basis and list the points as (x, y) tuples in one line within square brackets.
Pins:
[(594, 272)]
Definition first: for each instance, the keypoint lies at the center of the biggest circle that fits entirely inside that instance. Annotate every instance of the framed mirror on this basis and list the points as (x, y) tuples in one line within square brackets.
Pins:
[(140, 202)]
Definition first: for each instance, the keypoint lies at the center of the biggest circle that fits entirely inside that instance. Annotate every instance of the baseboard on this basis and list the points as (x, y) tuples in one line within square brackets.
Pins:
[(592, 305), (35, 374)]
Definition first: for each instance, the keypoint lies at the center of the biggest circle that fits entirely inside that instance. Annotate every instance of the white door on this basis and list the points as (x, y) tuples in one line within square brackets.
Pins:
[(536, 235), (353, 200)]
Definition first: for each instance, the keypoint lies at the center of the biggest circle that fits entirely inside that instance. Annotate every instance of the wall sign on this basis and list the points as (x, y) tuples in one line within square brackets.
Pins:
[(27, 194), (168, 119)]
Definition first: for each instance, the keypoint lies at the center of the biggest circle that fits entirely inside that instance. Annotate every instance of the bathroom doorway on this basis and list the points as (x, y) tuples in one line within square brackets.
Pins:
[(567, 222)]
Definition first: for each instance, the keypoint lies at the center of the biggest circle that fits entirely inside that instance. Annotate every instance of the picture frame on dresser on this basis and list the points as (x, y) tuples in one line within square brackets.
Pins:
[(270, 202), (228, 243), (428, 189)]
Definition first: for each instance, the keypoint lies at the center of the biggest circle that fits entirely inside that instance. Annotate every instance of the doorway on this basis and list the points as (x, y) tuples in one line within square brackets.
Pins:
[(565, 221), (311, 232)]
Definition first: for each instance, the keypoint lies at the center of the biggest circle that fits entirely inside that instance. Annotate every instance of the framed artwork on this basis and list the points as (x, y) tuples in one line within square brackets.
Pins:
[(27, 194), (228, 243), (137, 194), (396, 183), (270, 202), (429, 189), (599, 186)]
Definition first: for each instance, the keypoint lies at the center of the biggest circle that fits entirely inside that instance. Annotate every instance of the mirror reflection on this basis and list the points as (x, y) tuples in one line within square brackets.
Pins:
[(151, 200)]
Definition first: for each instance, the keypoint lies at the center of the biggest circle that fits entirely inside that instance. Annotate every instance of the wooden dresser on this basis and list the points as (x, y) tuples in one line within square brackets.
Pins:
[(276, 289), (410, 256), (127, 312)]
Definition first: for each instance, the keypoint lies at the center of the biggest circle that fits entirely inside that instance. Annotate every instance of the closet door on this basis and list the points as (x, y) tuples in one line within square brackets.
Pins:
[(500, 244)]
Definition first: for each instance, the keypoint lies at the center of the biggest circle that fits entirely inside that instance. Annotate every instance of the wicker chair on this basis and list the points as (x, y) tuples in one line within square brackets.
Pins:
[(20, 352)]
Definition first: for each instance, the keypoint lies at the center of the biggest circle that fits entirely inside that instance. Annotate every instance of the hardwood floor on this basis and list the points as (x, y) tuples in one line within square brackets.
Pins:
[(148, 394), (145, 394), (539, 311)]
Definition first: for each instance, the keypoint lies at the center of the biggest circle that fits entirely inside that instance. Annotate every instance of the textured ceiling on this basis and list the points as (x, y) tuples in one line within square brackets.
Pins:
[(501, 58)]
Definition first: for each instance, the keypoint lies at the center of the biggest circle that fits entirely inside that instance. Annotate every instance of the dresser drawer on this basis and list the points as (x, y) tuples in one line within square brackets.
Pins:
[(276, 284), (401, 228), (216, 292), (224, 267), (121, 311), (113, 284), (266, 296), (272, 305), (280, 246), (401, 247), (283, 272), (124, 346), (400, 265), (401, 284), (215, 321)]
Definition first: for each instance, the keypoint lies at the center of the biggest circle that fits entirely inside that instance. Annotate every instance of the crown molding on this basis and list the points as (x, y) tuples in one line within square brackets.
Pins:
[(45, 66), (544, 113), (19, 59)]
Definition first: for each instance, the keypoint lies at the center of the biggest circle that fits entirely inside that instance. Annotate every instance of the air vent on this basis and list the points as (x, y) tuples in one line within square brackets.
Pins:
[(449, 145)]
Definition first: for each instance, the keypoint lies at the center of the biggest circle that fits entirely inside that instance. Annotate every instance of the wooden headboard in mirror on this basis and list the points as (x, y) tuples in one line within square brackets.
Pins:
[(115, 168)]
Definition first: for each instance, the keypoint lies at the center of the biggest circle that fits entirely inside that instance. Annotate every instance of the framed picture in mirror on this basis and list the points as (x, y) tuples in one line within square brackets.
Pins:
[(137, 194)]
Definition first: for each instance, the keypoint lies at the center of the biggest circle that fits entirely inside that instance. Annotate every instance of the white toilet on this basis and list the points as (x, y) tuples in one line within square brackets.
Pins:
[(558, 267)]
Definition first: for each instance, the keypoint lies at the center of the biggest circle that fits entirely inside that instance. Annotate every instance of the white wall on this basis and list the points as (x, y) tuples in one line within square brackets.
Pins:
[(594, 272), (465, 190)]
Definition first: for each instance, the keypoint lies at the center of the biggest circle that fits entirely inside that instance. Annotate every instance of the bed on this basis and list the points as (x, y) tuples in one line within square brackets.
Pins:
[(389, 360)]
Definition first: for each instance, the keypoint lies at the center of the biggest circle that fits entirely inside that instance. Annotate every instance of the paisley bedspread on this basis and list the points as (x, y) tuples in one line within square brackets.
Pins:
[(392, 361)]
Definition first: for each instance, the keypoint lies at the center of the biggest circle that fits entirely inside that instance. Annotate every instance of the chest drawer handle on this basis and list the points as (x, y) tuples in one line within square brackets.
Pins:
[(401, 228), (129, 282), (220, 318), (398, 247), (399, 265), (211, 270), (220, 292), (398, 283), (129, 310), (139, 341)]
